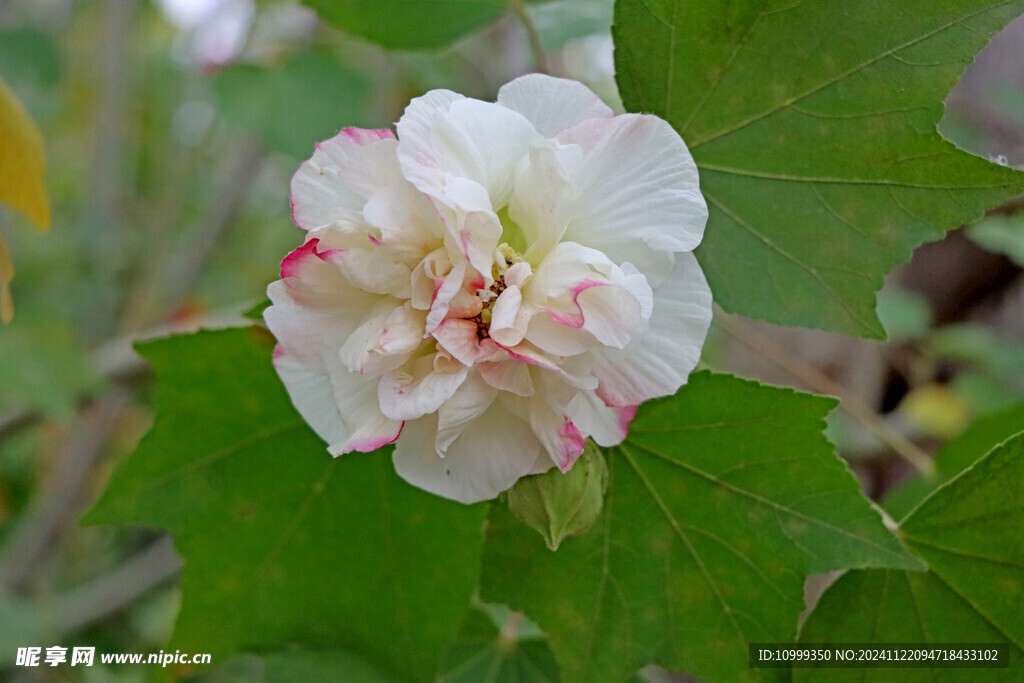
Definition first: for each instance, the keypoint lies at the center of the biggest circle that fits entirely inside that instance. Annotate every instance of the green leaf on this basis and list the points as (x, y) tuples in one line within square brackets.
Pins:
[(563, 21), (1002, 235), (292, 107), (281, 543), (904, 314), (971, 533), (981, 347), (483, 653), (720, 502), (955, 456), (20, 627), (813, 124), (410, 24), (308, 666)]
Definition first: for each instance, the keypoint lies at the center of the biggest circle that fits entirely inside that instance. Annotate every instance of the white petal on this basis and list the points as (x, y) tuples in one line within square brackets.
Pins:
[(410, 227), (417, 389), (552, 104), (441, 137), (509, 318), (427, 277), (453, 283), (544, 198), (661, 360), (384, 342), (472, 399), (471, 226), (332, 186), (557, 338), (355, 424), (371, 271), (313, 396), (510, 375), (490, 455), (638, 190)]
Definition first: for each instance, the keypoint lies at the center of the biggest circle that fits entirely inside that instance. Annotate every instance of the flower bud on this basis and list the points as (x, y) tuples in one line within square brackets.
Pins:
[(559, 505)]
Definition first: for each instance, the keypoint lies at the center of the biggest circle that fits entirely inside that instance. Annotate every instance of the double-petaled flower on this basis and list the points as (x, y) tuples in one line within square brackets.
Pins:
[(492, 287)]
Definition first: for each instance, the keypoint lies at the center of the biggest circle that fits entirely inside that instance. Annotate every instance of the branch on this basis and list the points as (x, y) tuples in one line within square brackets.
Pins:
[(536, 47), (111, 592), (824, 384), (34, 536)]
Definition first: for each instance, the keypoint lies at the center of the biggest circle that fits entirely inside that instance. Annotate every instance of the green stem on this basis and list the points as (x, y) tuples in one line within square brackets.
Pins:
[(541, 59)]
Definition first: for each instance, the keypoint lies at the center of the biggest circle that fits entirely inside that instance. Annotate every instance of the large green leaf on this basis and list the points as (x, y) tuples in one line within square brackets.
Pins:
[(813, 124), (955, 456), (410, 24), (293, 664), (484, 654), (720, 502), (281, 543), (971, 533)]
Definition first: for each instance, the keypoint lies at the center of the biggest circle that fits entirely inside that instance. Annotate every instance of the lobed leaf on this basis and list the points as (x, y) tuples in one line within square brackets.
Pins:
[(813, 125), (971, 533), (721, 501), (281, 543)]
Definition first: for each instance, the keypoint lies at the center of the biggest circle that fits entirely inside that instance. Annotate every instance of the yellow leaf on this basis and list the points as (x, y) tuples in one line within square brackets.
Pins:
[(936, 411), (22, 160), (22, 168), (6, 275)]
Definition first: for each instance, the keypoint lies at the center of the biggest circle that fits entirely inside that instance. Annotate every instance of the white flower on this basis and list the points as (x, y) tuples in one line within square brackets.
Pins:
[(495, 285)]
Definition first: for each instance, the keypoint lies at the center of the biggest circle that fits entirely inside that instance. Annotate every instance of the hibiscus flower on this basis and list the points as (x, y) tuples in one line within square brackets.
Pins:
[(493, 286)]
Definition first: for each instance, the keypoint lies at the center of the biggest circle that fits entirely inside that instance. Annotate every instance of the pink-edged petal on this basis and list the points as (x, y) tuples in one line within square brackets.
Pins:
[(471, 401), (559, 437), (314, 307), (552, 104), (417, 389), (638, 190), (442, 138), (443, 295), (488, 457), (350, 425), (556, 338), (611, 312), (332, 186), (586, 299), (607, 425), (472, 228), (661, 360), (461, 339)]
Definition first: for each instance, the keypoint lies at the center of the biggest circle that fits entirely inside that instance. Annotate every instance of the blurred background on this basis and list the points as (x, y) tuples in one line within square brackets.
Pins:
[(172, 128)]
